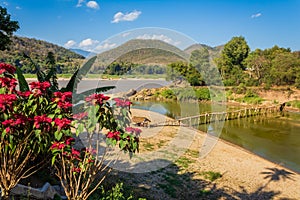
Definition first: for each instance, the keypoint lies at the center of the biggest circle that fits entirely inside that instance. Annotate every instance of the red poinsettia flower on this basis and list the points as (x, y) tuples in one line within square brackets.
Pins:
[(12, 123), (69, 140), (6, 100), (75, 152), (57, 145), (39, 87), (63, 99), (9, 83), (64, 105), (122, 102), (24, 94), (115, 135), (4, 67), (96, 99), (62, 123), (40, 120), (132, 130)]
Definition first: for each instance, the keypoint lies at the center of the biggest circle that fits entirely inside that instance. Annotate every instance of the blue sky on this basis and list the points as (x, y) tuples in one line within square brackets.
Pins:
[(87, 24)]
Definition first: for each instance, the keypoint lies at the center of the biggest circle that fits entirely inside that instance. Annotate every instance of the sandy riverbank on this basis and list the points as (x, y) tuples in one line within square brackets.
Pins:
[(244, 175)]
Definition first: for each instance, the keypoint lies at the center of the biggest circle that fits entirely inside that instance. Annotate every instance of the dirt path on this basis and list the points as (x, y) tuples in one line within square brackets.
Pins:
[(168, 167)]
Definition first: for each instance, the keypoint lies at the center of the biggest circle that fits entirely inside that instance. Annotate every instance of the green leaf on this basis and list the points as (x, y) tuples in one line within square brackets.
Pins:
[(34, 108), (78, 75), (122, 144), (50, 74), (71, 83), (40, 74), (51, 116), (23, 85), (53, 160), (79, 129), (29, 103), (41, 100), (3, 133), (58, 135), (52, 78)]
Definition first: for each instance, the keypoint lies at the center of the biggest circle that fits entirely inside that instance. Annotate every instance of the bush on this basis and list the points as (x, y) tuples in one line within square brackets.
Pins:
[(251, 98), (117, 193), (295, 104), (241, 89), (168, 94), (203, 94), (39, 120)]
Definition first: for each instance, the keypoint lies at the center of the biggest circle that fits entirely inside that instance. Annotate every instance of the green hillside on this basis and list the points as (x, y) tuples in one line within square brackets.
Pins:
[(66, 60), (145, 53), (137, 51), (150, 57), (213, 51)]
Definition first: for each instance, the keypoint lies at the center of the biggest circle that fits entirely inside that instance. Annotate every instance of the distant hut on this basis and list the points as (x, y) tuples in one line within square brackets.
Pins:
[(141, 121)]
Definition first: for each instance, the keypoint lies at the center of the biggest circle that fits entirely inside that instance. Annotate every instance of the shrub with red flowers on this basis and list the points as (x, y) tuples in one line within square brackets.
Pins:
[(29, 122), (38, 120), (97, 116)]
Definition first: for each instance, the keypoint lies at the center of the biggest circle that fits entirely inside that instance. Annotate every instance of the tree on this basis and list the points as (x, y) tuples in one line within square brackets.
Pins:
[(258, 65), (200, 59), (180, 70), (7, 27), (233, 54), (275, 65), (231, 61)]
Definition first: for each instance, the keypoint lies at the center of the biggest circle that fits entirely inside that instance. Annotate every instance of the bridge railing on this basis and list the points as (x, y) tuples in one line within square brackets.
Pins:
[(210, 117)]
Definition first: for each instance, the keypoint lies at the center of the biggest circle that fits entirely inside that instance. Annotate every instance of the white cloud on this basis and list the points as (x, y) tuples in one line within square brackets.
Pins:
[(119, 16), (79, 3), (126, 34), (105, 46), (93, 5), (18, 8), (70, 44), (256, 15), (88, 43), (159, 37)]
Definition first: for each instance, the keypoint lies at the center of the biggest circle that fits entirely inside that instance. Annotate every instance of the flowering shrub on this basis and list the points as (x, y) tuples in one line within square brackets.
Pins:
[(29, 122), (96, 116), (39, 120)]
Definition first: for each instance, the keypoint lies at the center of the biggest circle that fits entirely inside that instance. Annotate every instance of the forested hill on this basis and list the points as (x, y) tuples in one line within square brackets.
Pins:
[(213, 51), (38, 50), (147, 52), (138, 44)]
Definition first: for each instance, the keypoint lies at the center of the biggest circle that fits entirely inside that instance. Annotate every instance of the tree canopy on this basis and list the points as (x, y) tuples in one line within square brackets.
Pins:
[(271, 66), (7, 27)]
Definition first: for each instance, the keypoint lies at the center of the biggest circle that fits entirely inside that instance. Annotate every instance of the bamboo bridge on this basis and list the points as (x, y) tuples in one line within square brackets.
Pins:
[(207, 118)]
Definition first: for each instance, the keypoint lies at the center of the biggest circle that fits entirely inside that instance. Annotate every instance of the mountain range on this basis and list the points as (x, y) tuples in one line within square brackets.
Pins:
[(137, 51)]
